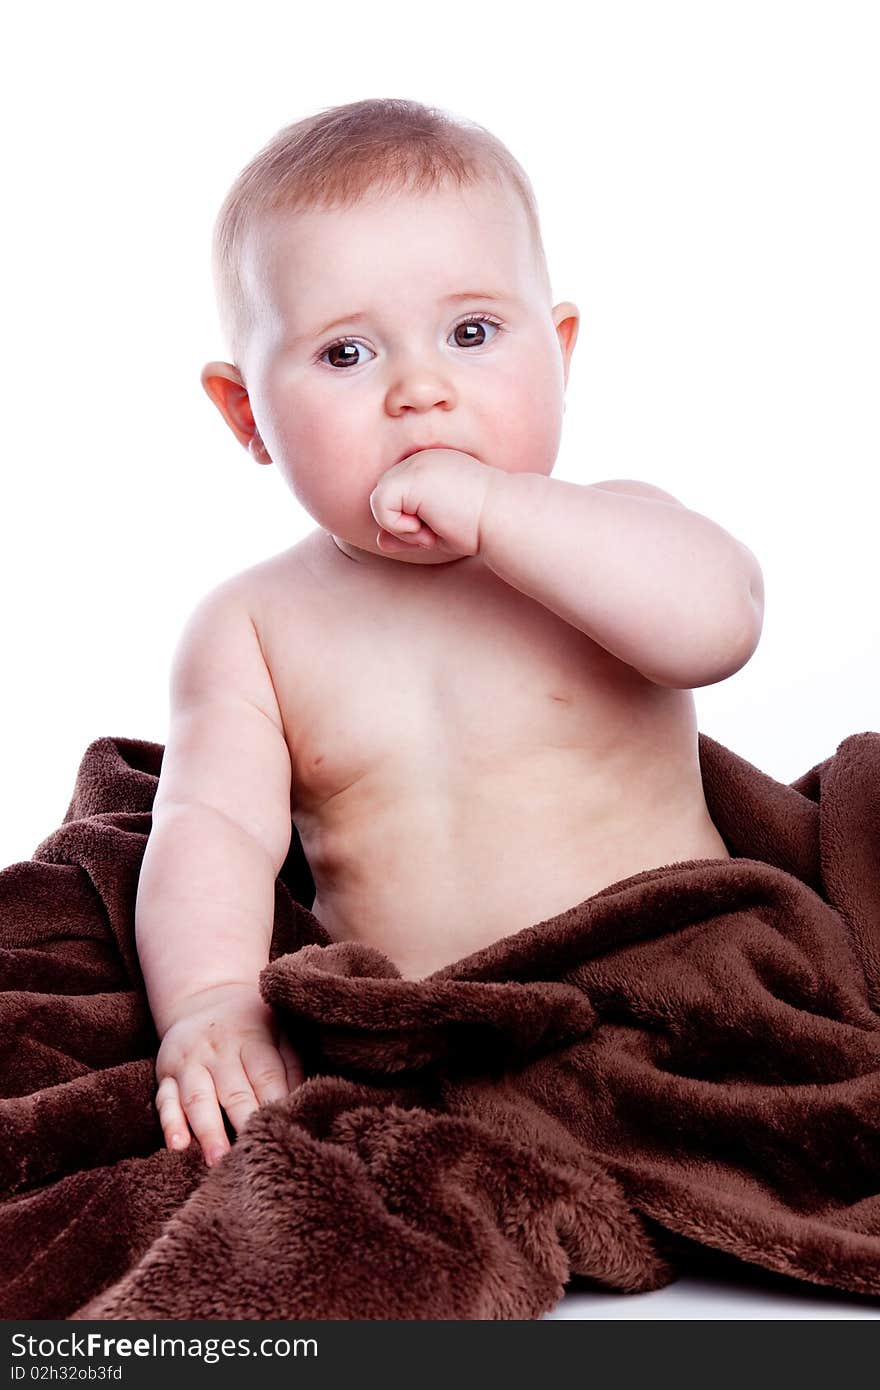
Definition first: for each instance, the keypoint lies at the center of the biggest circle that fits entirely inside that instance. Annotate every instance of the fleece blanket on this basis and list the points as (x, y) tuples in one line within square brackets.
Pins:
[(689, 1059)]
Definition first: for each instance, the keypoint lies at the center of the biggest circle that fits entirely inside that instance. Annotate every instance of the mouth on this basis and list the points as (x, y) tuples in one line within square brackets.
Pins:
[(422, 448)]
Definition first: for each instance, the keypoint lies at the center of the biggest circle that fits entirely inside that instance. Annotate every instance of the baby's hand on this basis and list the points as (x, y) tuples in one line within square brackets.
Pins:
[(436, 499), (225, 1050)]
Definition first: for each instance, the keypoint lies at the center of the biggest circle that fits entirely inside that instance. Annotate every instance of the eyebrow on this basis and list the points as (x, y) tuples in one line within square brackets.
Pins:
[(362, 314)]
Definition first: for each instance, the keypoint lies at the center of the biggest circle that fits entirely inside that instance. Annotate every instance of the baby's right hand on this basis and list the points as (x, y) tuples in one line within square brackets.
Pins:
[(225, 1050)]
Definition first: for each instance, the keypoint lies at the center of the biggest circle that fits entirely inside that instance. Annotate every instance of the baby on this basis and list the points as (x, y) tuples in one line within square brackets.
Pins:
[(470, 686)]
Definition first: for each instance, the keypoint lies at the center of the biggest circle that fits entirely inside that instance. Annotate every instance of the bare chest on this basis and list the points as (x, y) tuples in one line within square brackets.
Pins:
[(456, 733), (434, 689)]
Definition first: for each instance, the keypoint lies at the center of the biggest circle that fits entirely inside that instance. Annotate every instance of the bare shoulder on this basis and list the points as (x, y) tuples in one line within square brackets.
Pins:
[(295, 611), (240, 609), (278, 585)]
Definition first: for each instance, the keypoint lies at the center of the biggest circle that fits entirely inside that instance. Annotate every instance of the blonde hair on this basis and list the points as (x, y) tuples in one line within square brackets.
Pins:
[(332, 159)]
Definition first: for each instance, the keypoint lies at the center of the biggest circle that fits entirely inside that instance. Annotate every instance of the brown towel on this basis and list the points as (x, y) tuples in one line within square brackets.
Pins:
[(688, 1059)]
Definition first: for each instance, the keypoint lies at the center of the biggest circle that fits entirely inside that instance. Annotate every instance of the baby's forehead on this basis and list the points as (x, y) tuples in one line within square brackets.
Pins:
[(484, 209), (443, 235)]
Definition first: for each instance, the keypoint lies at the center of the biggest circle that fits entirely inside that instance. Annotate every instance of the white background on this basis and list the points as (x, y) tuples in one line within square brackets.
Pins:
[(707, 180)]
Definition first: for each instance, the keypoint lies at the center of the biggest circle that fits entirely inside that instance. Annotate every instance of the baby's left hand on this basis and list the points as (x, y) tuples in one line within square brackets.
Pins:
[(434, 499)]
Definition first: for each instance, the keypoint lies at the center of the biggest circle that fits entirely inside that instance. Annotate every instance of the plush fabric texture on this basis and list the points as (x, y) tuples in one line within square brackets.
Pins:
[(688, 1059)]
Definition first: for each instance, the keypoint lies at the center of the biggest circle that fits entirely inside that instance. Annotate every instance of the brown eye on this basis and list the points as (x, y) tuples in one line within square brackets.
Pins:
[(347, 351), (471, 332)]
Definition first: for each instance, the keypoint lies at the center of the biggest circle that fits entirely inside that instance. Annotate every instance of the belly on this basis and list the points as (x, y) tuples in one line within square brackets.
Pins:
[(431, 871)]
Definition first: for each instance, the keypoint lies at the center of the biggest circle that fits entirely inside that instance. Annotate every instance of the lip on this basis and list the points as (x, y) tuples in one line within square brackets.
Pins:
[(420, 448)]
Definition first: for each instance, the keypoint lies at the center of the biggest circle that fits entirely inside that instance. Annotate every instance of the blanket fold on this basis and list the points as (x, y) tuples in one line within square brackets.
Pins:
[(690, 1055)]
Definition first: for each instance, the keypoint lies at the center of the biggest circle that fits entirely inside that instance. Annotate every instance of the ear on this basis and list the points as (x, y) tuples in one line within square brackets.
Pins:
[(223, 383), (566, 318)]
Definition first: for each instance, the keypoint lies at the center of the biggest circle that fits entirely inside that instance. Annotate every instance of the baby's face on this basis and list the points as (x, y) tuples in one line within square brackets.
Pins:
[(449, 338)]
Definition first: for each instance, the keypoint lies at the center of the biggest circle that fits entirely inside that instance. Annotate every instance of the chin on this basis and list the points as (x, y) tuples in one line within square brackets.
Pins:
[(427, 557), (439, 554)]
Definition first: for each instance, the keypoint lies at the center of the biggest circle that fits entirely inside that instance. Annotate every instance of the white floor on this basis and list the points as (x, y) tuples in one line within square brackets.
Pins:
[(751, 1295)]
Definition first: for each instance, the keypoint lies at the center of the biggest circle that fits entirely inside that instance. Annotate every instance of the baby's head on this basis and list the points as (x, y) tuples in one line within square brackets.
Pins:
[(382, 287)]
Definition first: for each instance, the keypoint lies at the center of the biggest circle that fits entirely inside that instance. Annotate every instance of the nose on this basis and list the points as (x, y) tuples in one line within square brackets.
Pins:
[(420, 387)]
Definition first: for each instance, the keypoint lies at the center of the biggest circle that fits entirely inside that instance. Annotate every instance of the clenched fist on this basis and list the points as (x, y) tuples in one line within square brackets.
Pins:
[(435, 498)]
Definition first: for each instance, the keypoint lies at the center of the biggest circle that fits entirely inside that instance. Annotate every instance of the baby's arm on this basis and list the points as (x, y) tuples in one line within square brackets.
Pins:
[(206, 893)]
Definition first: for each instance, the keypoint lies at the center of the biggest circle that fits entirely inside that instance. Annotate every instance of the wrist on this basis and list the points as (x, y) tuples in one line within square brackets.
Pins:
[(199, 999), (511, 505)]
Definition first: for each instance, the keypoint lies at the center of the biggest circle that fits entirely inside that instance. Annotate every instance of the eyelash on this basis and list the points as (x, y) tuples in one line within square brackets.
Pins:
[(471, 318)]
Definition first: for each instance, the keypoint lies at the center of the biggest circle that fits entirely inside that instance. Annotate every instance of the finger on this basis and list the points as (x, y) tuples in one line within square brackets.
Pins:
[(171, 1116), (391, 515), (410, 528), (424, 537), (293, 1064), (387, 541), (235, 1092), (198, 1096), (266, 1070), (419, 534)]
